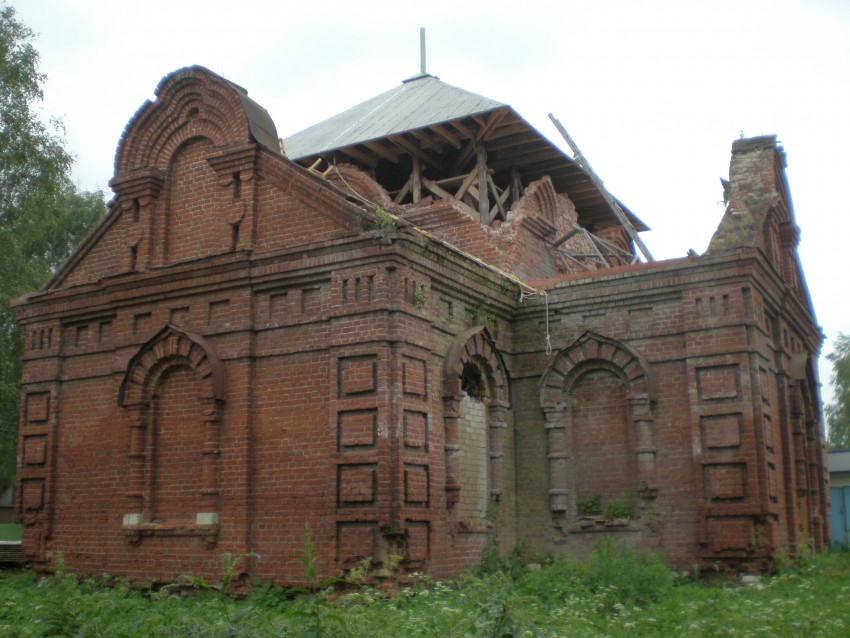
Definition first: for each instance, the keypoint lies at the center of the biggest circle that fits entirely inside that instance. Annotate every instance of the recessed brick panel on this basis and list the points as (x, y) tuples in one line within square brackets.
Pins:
[(416, 485), (764, 383), (415, 430), (769, 435), (217, 312), (357, 430), (142, 324), (358, 375), (415, 378), (32, 495), (730, 534), (356, 485), (37, 407), (640, 320), (772, 482), (418, 540), (355, 541), (311, 300), (278, 307), (725, 483), (721, 430), (718, 383), (35, 451)]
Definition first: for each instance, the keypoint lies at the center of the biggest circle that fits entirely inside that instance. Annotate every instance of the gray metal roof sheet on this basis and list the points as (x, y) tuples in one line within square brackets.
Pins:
[(421, 101)]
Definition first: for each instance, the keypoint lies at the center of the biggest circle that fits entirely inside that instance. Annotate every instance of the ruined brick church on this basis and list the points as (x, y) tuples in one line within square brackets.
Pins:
[(413, 330)]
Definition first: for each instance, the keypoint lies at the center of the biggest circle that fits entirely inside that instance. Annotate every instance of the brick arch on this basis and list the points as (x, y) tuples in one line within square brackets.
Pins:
[(352, 180), (168, 348), (588, 353), (192, 102), (475, 346), (539, 198), (172, 350)]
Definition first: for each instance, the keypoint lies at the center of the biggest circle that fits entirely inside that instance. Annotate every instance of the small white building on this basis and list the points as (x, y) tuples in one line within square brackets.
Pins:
[(838, 463)]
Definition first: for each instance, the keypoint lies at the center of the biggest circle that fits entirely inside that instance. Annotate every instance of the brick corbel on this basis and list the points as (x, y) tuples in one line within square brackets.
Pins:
[(236, 169)]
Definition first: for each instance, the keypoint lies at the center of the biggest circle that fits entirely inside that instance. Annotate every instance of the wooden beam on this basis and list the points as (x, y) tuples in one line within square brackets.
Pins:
[(448, 182), (516, 184), (427, 141), (444, 194), (415, 151), (466, 184), (359, 156), (612, 203), (498, 197), (532, 156), (491, 124), (500, 200), (462, 129), (446, 134), (416, 176), (404, 190), (514, 128), (461, 161), (382, 151), (483, 199)]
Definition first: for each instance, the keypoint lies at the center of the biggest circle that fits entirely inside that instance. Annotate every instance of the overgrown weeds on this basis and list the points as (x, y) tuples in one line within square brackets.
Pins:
[(614, 592)]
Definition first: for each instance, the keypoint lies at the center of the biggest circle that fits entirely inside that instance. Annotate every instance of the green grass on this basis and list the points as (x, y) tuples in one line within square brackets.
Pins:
[(614, 593), (10, 532)]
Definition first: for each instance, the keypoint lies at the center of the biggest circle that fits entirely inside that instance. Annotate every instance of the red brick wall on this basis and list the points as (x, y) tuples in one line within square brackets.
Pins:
[(603, 446), (336, 354)]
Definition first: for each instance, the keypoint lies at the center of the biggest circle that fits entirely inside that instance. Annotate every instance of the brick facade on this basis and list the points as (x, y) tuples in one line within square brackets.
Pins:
[(244, 352)]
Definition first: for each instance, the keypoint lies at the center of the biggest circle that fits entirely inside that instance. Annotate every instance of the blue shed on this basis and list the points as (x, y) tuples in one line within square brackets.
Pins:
[(838, 463)]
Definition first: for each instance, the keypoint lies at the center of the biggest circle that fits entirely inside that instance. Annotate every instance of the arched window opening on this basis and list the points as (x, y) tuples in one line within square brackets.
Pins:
[(472, 382)]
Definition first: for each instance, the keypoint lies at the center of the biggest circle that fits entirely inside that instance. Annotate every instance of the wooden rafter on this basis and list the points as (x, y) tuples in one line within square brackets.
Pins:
[(462, 129), (402, 193), (444, 194), (428, 141), (382, 151), (490, 124), (612, 203), (481, 165), (415, 151), (500, 200), (447, 135), (467, 182), (360, 156)]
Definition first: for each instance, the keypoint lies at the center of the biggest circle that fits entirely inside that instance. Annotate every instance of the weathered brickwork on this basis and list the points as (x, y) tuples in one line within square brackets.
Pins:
[(245, 357)]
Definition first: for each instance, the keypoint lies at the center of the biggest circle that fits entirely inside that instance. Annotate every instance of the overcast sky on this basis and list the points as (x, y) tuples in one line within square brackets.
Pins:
[(653, 92)]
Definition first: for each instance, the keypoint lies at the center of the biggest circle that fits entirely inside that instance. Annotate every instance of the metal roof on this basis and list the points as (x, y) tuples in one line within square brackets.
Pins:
[(440, 123), (421, 101)]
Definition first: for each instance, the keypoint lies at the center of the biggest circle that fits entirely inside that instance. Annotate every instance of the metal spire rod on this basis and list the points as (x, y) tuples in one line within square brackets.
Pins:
[(422, 50), (612, 203)]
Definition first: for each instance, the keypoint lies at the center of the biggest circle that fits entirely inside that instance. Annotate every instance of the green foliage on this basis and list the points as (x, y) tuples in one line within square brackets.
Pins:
[(42, 214), (420, 296), (838, 412), (627, 576), (384, 221), (616, 592), (619, 508), (590, 506)]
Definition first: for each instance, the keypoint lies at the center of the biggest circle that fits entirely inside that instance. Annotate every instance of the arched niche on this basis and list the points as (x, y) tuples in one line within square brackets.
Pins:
[(807, 450), (173, 354), (193, 107), (595, 354), (473, 365)]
